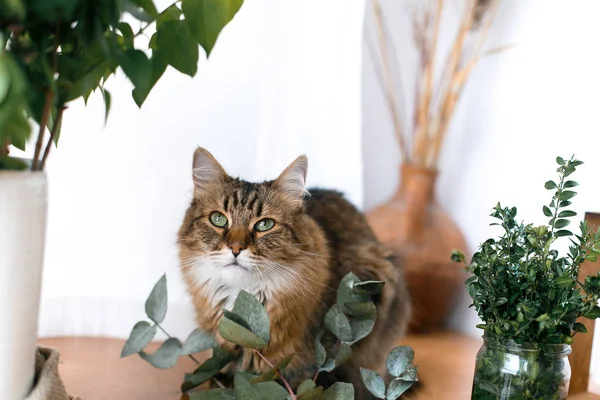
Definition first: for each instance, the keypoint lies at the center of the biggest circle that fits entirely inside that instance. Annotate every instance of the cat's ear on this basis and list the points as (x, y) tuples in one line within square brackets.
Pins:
[(292, 181), (206, 169)]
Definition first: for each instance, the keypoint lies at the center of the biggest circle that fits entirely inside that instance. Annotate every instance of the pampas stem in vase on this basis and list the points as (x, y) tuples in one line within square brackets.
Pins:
[(412, 223)]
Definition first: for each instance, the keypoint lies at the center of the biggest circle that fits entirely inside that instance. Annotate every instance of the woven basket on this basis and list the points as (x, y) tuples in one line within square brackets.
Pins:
[(47, 383)]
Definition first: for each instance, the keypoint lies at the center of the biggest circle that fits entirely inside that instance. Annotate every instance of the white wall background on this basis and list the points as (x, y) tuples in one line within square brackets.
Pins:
[(283, 79), (520, 110)]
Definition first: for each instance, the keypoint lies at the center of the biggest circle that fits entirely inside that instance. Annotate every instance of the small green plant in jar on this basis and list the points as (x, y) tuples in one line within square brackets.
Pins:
[(529, 298)]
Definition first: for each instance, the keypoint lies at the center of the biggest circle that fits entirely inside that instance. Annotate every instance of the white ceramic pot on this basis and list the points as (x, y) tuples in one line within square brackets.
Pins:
[(23, 200)]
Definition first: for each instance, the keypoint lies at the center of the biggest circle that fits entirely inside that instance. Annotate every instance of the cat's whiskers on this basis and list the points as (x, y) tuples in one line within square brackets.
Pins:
[(277, 270), (263, 261)]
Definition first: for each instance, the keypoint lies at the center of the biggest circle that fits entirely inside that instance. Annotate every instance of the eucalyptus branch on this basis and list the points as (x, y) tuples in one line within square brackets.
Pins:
[(285, 382), (171, 337)]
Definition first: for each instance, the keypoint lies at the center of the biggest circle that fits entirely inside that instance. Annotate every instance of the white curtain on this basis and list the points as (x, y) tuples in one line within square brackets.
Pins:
[(283, 80)]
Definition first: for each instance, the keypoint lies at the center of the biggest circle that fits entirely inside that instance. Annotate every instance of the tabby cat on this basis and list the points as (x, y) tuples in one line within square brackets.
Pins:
[(290, 249)]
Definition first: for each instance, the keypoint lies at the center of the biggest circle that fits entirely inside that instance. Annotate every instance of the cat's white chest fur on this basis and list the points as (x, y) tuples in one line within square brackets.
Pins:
[(221, 282)]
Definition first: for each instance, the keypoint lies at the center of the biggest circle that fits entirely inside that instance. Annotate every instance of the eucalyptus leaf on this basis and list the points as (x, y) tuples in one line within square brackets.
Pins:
[(339, 391), (343, 355), (347, 294), (258, 391), (254, 313), (314, 394), (306, 386), (273, 373), (213, 394), (373, 382), (369, 287), (166, 356), (547, 211), (237, 334), (156, 304), (399, 360), (208, 369), (338, 324), (396, 388), (198, 341), (321, 354), (141, 334), (328, 365)]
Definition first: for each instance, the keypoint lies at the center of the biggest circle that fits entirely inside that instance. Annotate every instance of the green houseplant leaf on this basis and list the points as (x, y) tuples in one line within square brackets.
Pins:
[(177, 48), (166, 356), (198, 341), (253, 313), (399, 360), (236, 333), (339, 391), (213, 394), (396, 388), (374, 382), (141, 334), (206, 19), (208, 369), (156, 304), (338, 324)]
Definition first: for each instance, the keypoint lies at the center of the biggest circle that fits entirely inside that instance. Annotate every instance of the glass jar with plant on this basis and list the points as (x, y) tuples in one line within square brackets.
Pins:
[(529, 298)]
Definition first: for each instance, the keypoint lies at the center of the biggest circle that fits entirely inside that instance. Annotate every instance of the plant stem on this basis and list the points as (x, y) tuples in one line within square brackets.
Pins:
[(55, 130), (171, 337), (49, 97), (285, 382), (316, 376), (218, 382), (388, 82)]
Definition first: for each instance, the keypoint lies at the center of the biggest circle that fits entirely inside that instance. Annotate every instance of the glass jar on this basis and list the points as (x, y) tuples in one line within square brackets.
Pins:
[(509, 371)]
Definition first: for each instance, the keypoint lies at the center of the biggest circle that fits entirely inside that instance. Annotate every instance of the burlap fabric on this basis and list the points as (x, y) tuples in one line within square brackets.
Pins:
[(47, 384)]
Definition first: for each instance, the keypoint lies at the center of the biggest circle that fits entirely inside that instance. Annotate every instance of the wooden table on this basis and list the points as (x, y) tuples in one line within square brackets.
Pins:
[(91, 368)]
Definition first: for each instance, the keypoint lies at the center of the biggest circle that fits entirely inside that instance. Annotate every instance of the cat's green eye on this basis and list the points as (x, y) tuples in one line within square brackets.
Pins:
[(218, 219), (264, 225)]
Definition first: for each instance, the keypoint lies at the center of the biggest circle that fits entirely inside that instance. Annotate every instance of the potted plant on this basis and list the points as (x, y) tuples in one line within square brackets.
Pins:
[(412, 222), (529, 297), (53, 52)]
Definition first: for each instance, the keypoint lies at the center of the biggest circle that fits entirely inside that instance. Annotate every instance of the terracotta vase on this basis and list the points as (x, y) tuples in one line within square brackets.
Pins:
[(414, 226)]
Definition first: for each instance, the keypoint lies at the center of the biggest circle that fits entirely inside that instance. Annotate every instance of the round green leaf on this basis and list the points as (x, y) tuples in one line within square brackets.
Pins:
[(166, 356), (141, 334), (338, 324), (339, 391), (198, 341), (156, 304), (254, 314), (237, 334), (399, 359), (306, 386), (396, 388), (373, 382)]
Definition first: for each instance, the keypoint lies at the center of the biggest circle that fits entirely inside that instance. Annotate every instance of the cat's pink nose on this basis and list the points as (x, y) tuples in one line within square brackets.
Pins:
[(236, 248)]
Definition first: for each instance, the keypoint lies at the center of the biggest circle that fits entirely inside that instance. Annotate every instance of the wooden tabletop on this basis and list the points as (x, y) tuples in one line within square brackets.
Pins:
[(91, 368)]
